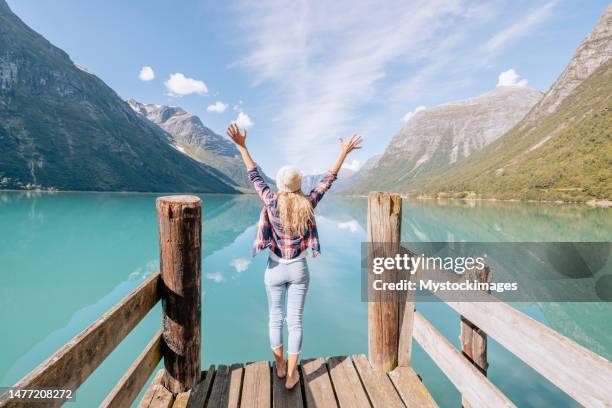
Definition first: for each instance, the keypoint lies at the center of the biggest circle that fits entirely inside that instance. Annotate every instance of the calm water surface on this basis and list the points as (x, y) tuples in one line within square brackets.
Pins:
[(67, 258)]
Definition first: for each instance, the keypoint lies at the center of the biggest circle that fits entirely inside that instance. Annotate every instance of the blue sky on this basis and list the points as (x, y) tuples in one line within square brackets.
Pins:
[(308, 72)]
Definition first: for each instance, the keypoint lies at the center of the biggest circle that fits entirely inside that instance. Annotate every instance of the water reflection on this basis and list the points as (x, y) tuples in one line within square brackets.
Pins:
[(63, 254), (60, 252), (225, 217), (485, 221), (587, 323)]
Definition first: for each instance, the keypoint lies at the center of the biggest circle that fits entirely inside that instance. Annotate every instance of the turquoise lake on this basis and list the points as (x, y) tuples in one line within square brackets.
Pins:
[(66, 258)]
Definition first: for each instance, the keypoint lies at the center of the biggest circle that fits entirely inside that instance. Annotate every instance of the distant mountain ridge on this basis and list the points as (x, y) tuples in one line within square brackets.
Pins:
[(185, 127), (63, 128), (360, 174), (435, 138), (562, 150), (310, 181), (190, 136)]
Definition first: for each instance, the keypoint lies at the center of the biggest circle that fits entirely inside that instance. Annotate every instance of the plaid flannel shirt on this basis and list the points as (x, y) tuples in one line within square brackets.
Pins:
[(270, 233)]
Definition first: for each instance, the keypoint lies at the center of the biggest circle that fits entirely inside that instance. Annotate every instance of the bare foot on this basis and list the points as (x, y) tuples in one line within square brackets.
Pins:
[(292, 380), (281, 369)]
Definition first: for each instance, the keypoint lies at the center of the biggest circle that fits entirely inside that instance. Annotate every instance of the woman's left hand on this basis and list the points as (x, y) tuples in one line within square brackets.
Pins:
[(353, 144)]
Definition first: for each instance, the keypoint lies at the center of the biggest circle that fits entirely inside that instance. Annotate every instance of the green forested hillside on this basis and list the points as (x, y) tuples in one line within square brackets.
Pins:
[(566, 155)]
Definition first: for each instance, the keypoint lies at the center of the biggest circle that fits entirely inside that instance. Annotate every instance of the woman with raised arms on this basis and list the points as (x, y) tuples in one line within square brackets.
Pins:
[(287, 228)]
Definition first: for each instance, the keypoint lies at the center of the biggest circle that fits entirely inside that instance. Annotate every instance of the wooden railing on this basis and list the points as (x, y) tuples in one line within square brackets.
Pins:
[(130, 384), (178, 285), (71, 365), (582, 374)]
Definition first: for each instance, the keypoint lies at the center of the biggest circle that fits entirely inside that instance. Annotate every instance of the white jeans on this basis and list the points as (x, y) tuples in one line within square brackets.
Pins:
[(288, 280)]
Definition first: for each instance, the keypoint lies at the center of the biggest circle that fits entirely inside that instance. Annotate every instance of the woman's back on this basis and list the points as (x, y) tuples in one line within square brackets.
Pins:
[(284, 240)]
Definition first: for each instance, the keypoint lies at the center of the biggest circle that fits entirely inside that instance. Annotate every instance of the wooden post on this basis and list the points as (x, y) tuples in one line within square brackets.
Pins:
[(387, 317), (474, 339), (180, 230)]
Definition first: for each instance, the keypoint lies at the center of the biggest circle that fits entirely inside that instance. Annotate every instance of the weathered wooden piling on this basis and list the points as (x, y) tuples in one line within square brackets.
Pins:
[(180, 230), (389, 318)]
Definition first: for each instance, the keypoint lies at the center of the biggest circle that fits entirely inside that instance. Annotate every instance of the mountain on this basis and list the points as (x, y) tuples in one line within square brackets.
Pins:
[(593, 52), (435, 138), (190, 136), (562, 150), (63, 128), (371, 163), (309, 181), (348, 184)]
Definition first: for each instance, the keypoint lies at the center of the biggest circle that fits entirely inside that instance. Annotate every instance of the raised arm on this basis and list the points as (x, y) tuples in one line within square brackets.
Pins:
[(345, 149), (255, 178), (240, 139)]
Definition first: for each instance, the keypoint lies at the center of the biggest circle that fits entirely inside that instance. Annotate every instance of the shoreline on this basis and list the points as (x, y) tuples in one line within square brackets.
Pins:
[(118, 192), (590, 203)]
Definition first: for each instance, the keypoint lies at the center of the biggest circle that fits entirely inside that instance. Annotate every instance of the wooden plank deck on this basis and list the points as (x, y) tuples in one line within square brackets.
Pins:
[(346, 381)]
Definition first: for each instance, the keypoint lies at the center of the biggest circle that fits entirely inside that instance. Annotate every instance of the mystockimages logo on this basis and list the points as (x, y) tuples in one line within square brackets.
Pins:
[(507, 271)]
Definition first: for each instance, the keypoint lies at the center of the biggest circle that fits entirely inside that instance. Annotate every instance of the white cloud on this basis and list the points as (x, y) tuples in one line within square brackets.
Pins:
[(243, 121), (215, 277), (510, 78), (353, 165), (180, 85), (521, 27), (352, 226), (240, 264), (455, 60), (237, 106), (332, 59), (451, 61), (146, 74), (217, 107), (409, 115)]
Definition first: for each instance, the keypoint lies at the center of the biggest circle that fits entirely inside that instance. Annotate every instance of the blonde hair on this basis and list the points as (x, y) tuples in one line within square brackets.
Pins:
[(295, 211)]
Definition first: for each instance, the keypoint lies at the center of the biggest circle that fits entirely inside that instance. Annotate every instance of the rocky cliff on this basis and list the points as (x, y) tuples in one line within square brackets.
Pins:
[(593, 52), (189, 135), (64, 128), (435, 138)]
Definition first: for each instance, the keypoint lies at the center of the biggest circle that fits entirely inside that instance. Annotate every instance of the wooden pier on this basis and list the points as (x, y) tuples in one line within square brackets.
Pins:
[(348, 381), (384, 378)]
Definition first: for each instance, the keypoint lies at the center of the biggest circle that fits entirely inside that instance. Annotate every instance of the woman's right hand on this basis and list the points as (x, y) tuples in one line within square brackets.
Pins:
[(234, 133)]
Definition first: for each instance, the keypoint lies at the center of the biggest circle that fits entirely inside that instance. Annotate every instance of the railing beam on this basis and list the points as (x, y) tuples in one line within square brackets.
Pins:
[(582, 374), (129, 386), (474, 387), (71, 365)]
